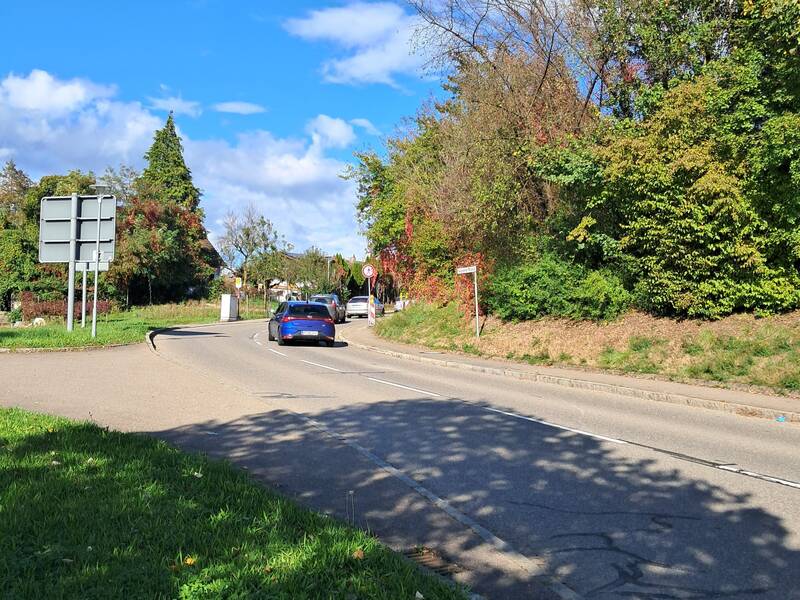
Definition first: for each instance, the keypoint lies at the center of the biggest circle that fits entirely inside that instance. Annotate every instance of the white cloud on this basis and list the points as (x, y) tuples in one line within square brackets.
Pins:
[(378, 38), (42, 93), (177, 105), (329, 132), (50, 125), (366, 125), (292, 180), (239, 108)]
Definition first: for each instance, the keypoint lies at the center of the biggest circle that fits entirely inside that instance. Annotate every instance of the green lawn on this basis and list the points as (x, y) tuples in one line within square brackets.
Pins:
[(123, 327), (91, 513)]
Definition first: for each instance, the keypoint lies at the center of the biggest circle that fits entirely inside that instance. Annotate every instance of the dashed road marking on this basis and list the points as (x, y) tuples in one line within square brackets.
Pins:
[(308, 362), (405, 387), (276, 352)]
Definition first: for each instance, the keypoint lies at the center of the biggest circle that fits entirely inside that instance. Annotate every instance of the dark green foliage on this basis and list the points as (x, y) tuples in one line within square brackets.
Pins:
[(551, 286), (702, 196), (167, 177)]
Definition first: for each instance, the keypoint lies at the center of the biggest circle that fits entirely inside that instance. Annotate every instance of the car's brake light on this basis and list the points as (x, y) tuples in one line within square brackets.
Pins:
[(328, 320), (287, 318)]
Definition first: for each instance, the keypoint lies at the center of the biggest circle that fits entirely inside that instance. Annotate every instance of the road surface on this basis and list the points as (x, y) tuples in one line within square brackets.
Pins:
[(617, 497)]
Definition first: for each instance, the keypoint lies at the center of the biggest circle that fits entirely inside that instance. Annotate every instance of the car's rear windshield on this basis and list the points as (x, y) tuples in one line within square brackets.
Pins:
[(323, 299), (309, 310), (359, 299)]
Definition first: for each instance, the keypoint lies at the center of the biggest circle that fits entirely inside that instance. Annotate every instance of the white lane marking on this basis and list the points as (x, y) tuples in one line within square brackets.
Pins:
[(276, 352), (405, 387), (308, 362), (770, 478), (728, 468), (549, 424), (259, 343)]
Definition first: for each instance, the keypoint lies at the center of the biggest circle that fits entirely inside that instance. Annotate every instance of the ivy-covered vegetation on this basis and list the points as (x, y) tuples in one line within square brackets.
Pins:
[(595, 155)]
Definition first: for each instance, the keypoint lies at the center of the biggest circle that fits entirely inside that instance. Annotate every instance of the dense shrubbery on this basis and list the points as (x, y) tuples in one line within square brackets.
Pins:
[(673, 184), (32, 308), (555, 287)]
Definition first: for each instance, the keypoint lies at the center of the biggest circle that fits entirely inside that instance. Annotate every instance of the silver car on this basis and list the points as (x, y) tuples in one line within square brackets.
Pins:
[(358, 306), (335, 306)]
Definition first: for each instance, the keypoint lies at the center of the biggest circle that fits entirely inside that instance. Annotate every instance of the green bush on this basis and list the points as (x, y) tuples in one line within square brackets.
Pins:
[(555, 287), (15, 315)]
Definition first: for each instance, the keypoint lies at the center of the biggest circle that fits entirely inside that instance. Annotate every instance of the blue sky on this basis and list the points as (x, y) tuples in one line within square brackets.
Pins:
[(271, 98)]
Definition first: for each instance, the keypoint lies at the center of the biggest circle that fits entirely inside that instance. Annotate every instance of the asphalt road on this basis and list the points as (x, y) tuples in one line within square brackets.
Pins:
[(616, 497)]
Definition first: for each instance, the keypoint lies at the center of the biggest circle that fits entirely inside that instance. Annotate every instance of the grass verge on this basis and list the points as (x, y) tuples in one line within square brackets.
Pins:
[(123, 327), (738, 350), (91, 513)]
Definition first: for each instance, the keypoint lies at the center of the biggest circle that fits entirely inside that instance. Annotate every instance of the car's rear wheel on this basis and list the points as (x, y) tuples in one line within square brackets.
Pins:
[(281, 342), (270, 337), (330, 344)]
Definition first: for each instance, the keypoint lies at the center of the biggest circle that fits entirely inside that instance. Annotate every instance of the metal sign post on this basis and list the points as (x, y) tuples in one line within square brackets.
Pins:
[(83, 299), (474, 270), (369, 272), (73, 244), (80, 231)]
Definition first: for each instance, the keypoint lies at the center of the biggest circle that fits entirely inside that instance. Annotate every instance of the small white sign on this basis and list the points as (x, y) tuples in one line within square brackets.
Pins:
[(368, 271), (238, 283), (465, 270)]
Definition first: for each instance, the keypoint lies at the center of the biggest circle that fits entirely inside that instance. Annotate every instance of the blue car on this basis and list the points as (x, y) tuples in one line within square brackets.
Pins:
[(302, 321)]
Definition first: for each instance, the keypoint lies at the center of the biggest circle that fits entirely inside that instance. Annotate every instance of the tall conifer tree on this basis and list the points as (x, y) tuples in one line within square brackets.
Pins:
[(167, 177)]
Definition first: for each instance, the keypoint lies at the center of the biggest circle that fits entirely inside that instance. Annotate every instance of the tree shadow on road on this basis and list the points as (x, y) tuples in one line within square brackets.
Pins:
[(611, 521)]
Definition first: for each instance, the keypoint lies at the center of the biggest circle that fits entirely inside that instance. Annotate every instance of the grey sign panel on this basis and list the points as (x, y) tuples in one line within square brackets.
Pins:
[(89, 266), (55, 225)]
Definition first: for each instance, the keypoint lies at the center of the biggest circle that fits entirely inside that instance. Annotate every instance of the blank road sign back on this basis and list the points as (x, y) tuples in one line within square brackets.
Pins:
[(55, 225)]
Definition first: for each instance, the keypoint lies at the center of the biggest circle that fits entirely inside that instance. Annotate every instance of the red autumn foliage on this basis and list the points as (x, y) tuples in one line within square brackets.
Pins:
[(31, 308), (465, 288)]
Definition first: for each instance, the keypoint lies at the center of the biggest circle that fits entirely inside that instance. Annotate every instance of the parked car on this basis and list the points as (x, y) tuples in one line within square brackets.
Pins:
[(335, 306), (358, 306), (302, 321)]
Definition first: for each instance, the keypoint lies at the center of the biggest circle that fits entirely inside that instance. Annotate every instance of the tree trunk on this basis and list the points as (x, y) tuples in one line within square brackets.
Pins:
[(150, 289)]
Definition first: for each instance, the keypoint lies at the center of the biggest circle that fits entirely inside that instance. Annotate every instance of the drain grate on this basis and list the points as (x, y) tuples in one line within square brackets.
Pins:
[(431, 560)]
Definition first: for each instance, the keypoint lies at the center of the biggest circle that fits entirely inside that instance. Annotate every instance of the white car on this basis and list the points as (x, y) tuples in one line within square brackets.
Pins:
[(358, 306)]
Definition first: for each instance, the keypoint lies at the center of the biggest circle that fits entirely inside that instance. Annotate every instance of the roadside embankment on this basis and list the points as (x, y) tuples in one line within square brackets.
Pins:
[(739, 352)]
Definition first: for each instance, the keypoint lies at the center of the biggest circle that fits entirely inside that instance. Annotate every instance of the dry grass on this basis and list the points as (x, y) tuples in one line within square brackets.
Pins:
[(740, 350)]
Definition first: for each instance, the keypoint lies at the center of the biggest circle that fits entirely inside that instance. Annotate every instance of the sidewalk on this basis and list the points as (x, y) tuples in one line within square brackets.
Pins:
[(715, 398)]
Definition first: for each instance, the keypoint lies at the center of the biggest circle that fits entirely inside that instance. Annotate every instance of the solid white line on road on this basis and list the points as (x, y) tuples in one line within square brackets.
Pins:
[(405, 387), (308, 362), (549, 424), (770, 478), (677, 455), (259, 343), (276, 352)]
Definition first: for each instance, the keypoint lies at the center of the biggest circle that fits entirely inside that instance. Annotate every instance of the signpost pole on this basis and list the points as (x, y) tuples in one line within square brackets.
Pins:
[(474, 270), (83, 300), (73, 244), (477, 326), (96, 265)]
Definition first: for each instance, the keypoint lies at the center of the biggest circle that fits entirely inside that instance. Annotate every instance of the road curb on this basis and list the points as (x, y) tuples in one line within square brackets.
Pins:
[(748, 410)]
